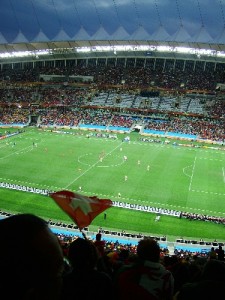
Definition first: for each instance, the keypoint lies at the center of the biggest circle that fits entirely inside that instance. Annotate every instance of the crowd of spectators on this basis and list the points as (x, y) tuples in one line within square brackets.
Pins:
[(204, 128), (66, 105), (125, 264), (14, 117), (201, 217), (39, 264), (159, 72)]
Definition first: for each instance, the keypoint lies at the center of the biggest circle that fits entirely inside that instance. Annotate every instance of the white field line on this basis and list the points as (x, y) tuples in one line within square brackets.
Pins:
[(185, 171), (192, 174), (200, 191), (91, 167), (223, 171), (129, 200), (18, 151)]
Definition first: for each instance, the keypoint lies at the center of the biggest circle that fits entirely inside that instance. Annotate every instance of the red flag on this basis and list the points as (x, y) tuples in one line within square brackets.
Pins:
[(80, 208)]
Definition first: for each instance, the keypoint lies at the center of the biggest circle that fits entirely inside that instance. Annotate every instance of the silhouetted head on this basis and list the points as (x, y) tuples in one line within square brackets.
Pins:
[(31, 259), (148, 249), (214, 270), (83, 254), (98, 237)]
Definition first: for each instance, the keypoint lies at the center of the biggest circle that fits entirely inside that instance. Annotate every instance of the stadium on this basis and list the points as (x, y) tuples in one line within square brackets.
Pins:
[(121, 100)]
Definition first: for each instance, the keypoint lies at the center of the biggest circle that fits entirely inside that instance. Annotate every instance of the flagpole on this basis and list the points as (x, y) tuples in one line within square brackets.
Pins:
[(84, 235)]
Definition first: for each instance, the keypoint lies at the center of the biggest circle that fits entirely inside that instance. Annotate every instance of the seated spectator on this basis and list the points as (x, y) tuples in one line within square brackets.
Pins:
[(212, 253), (103, 261), (99, 244), (146, 278), (220, 253), (84, 278), (31, 260), (211, 285)]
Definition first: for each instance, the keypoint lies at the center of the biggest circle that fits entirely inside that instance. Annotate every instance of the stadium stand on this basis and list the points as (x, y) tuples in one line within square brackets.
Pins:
[(121, 77)]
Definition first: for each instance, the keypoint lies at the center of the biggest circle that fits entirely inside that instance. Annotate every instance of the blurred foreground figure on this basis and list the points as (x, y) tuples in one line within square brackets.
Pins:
[(84, 278), (31, 259), (210, 285), (145, 278)]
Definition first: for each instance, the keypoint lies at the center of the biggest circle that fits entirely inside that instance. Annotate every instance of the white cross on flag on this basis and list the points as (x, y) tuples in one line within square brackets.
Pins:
[(80, 208)]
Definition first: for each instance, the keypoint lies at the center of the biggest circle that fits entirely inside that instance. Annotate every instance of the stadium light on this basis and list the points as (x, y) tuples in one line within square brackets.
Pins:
[(116, 49)]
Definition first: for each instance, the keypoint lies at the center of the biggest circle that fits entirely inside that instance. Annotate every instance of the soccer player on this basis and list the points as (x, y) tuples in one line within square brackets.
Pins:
[(119, 195), (125, 177), (101, 156), (148, 167)]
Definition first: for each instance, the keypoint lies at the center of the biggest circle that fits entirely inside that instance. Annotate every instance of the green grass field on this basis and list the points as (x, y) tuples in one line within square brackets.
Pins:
[(180, 178)]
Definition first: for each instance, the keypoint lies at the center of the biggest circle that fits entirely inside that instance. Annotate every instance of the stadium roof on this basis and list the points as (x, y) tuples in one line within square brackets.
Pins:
[(37, 25)]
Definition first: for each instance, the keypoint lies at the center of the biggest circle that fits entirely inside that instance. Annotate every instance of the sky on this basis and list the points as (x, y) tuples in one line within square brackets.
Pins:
[(28, 17)]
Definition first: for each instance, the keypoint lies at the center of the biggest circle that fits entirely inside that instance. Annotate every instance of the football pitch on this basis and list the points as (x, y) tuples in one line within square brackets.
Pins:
[(167, 176)]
